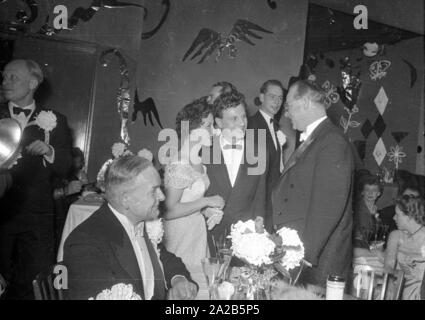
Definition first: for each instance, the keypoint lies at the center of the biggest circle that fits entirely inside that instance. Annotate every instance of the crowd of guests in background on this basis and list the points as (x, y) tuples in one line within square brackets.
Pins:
[(312, 192)]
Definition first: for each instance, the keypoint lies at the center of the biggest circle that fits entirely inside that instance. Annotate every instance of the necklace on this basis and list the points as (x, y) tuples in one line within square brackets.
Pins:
[(411, 235)]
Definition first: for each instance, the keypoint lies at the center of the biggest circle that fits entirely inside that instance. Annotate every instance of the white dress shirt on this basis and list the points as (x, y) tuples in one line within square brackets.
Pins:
[(23, 121), (310, 128), (271, 127), (140, 250), (232, 158)]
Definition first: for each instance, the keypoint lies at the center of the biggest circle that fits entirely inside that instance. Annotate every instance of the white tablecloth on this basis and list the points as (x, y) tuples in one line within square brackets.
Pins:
[(81, 210)]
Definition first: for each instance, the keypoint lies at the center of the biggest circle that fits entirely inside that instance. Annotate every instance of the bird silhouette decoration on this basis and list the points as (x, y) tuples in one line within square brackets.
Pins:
[(147, 108), (207, 41)]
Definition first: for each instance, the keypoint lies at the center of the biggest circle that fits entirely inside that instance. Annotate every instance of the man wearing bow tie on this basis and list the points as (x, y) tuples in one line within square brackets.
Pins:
[(233, 172), (27, 216), (112, 245), (314, 191), (271, 97)]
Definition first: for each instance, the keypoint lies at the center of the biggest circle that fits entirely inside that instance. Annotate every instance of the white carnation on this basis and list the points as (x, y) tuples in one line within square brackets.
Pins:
[(281, 137), (155, 230), (119, 291), (255, 248), (145, 153), (46, 120), (423, 251), (293, 246)]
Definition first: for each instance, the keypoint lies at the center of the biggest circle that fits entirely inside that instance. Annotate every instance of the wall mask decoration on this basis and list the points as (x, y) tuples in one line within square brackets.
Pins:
[(149, 34), (331, 93), (351, 84), (378, 69), (413, 73), (147, 108), (272, 4), (123, 94), (208, 41), (22, 15)]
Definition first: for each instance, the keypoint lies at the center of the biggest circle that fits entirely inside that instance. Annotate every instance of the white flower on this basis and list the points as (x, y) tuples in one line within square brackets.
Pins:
[(216, 131), (119, 291), (155, 230), (423, 251), (145, 153), (370, 49), (118, 149), (254, 248), (46, 120), (281, 137), (293, 247)]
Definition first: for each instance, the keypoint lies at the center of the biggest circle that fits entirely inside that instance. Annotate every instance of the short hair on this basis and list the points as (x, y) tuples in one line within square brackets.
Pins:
[(369, 180), (33, 68), (310, 90), (410, 187), (194, 112), (77, 153), (226, 87), (122, 172), (272, 82), (412, 207), (227, 101)]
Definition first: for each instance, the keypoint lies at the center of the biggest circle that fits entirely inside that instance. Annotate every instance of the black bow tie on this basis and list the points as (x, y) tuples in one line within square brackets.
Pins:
[(232, 146), (17, 110)]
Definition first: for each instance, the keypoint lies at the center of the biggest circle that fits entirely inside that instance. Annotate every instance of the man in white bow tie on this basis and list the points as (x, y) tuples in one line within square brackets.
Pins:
[(27, 208), (113, 247), (314, 192)]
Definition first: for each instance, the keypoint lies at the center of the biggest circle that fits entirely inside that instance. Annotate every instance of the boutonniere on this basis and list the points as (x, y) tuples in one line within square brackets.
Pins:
[(281, 137), (423, 251), (155, 231), (47, 121)]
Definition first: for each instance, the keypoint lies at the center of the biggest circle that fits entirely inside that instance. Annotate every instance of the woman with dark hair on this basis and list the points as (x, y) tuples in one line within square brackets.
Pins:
[(186, 180), (406, 246)]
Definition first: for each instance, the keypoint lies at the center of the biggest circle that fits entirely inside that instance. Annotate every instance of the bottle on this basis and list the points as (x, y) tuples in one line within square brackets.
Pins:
[(335, 286)]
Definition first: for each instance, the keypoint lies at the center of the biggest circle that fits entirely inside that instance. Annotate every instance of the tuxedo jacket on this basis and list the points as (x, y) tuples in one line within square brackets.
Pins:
[(98, 254), (31, 190), (273, 155), (314, 196), (247, 198)]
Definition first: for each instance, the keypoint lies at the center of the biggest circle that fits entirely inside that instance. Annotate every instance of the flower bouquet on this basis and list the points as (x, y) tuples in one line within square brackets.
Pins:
[(119, 291), (264, 255)]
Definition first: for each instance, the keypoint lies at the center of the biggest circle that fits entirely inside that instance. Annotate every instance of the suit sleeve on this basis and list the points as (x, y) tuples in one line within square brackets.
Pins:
[(87, 269), (260, 199), (173, 266), (61, 143), (330, 195)]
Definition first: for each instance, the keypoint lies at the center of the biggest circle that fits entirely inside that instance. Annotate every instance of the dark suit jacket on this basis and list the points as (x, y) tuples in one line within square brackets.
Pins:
[(31, 190), (313, 196), (98, 254), (246, 199), (273, 154)]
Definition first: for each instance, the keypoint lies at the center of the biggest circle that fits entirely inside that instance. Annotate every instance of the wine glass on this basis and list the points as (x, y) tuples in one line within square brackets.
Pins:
[(211, 269)]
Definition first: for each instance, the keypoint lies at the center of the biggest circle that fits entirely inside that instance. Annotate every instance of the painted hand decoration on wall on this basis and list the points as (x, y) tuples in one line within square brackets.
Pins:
[(147, 108), (208, 41), (149, 34), (413, 73)]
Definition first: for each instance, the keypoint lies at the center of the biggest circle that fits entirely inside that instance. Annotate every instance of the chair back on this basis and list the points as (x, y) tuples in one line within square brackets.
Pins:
[(375, 283), (44, 285)]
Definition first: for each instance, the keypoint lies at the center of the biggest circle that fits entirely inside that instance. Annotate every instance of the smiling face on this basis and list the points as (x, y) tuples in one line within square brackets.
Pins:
[(271, 100), (142, 199), (370, 193), (18, 83), (233, 123)]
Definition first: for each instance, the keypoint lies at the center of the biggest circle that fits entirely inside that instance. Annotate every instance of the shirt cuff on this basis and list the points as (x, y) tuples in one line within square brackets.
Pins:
[(176, 277), (50, 159)]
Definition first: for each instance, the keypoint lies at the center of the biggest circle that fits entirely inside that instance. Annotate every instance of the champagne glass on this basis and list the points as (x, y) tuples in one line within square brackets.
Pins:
[(211, 269)]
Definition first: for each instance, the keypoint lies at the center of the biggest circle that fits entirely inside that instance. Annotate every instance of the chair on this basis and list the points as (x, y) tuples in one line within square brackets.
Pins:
[(369, 278), (43, 285)]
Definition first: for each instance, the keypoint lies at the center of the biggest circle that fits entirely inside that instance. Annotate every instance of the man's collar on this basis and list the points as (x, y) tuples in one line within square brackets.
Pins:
[(266, 116), (310, 128), (31, 106), (126, 223)]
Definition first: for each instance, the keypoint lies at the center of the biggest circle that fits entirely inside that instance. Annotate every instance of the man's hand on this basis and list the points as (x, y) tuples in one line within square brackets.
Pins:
[(39, 148), (182, 289), (73, 187)]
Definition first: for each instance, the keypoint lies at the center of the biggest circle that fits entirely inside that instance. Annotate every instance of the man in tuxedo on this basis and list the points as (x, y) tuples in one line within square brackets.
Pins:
[(234, 172), (27, 214), (112, 245), (314, 191), (271, 96)]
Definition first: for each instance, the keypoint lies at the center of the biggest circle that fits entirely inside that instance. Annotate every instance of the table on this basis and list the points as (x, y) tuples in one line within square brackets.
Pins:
[(80, 210)]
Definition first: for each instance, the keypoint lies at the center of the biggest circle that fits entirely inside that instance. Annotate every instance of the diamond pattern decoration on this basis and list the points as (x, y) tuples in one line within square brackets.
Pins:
[(379, 152), (379, 126), (366, 129), (381, 101)]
